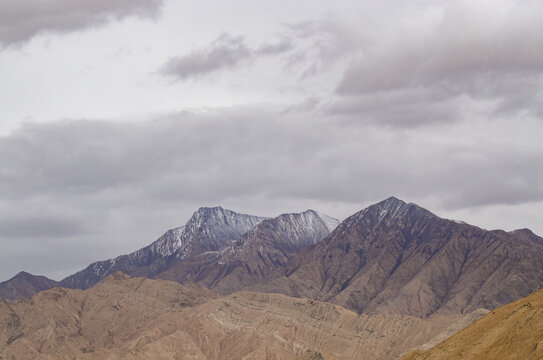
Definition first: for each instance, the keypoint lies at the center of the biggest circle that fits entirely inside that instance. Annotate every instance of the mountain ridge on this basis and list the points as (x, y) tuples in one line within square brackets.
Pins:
[(391, 257), (255, 255), (395, 257), (224, 226)]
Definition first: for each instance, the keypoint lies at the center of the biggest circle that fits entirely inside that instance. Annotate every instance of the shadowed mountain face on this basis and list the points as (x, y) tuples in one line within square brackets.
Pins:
[(394, 257), (24, 284), (513, 331), (138, 318)]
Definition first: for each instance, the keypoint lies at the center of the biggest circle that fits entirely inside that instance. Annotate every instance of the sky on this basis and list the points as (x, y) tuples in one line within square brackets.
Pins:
[(120, 118)]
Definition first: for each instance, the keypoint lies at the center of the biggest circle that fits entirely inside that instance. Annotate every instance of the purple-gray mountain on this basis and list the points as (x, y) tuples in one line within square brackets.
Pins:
[(394, 257), (391, 257)]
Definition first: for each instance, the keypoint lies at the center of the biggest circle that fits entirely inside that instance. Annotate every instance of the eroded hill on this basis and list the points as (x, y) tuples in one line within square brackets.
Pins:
[(513, 331), (137, 318)]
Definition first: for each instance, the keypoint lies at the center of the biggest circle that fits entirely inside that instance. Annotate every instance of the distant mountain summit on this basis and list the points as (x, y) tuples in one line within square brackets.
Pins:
[(208, 230), (212, 247), (256, 255), (395, 257), (24, 284)]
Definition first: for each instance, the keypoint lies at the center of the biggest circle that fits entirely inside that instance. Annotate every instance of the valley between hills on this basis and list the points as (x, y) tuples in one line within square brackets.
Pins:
[(391, 280)]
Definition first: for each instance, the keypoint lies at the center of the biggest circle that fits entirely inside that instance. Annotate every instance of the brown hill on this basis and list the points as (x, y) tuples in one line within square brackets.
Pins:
[(137, 318), (394, 257), (24, 284), (513, 331)]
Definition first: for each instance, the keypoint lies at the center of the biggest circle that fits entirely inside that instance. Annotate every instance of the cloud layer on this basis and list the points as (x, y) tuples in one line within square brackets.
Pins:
[(21, 20), (483, 52)]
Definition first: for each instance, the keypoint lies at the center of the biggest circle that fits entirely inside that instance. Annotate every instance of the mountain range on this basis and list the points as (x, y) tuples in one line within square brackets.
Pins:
[(394, 265), (394, 257)]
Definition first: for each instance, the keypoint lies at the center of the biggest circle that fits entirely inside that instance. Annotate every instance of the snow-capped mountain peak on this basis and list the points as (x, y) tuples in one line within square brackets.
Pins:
[(210, 229)]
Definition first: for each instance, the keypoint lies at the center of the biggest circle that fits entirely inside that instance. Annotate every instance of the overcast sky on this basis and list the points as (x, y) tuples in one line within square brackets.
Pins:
[(119, 118)]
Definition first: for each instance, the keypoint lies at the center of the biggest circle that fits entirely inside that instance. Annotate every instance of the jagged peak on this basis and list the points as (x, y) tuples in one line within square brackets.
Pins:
[(396, 207), (391, 202), (310, 215), (391, 207), (26, 275), (217, 212), (210, 209), (23, 274), (526, 234), (524, 231), (204, 212)]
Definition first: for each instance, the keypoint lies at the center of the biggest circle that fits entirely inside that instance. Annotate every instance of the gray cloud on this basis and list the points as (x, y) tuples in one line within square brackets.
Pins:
[(252, 151), (399, 108), (282, 46), (435, 52), (308, 47), (475, 50), (21, 20), (225, 52), (321, 43)]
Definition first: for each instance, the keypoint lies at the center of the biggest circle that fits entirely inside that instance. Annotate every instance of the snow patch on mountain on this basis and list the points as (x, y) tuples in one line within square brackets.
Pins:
[(208, 230), (286, 233), (330, 222)]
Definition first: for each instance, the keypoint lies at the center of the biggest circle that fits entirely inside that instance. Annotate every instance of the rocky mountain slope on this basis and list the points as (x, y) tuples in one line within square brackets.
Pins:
[(24, 284), (209, 230), (138, 318), (394, 257), (513, 331), (256, 255)]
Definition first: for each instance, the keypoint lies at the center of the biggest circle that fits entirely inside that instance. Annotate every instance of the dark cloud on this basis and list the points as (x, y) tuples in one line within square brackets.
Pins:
[(251, 151), (279, 47), (225, 52), (21, 20)]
